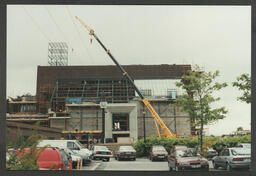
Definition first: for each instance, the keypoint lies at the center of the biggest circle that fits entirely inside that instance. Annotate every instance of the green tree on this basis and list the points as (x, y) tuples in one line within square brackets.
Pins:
[(28, 161), (197, 100), (243, 83)]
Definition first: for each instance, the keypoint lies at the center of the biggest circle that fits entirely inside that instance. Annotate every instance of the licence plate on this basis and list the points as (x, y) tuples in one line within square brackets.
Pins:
[(128, 153), (160, 156), (195, 166), (247, 160)]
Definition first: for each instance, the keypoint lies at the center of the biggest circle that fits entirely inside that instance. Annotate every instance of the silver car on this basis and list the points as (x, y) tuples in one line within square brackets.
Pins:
[(244, 145), (100, 152), (231, 158)]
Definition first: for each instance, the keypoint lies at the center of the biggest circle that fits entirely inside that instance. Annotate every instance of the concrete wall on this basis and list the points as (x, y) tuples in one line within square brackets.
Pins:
[(92, 119), (131, 109)]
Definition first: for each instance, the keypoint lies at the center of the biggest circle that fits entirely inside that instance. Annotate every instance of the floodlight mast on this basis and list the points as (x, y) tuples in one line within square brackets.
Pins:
[(167, 132)]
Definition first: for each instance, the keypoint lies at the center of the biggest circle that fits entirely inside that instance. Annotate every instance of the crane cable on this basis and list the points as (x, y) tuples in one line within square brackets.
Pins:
[(51, 16), (36, 24), (79, 35)]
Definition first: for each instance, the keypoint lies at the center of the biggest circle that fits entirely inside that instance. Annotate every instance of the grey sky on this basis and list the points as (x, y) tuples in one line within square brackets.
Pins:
[(214, 37)]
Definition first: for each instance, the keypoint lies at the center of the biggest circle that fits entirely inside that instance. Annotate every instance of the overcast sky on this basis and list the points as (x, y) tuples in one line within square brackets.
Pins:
[(214, 37)]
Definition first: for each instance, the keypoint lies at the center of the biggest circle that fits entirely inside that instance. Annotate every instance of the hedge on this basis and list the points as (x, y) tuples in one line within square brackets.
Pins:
[(217, 143)]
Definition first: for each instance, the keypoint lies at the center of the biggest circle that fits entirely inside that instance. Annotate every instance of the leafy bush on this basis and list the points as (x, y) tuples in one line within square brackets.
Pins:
[(28, 161), (166, 142)]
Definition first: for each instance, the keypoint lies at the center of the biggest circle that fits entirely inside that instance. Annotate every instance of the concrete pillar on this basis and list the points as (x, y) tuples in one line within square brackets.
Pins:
[(108, 124)]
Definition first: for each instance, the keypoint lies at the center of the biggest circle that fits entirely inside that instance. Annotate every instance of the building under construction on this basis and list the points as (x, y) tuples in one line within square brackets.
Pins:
[(72, 96)]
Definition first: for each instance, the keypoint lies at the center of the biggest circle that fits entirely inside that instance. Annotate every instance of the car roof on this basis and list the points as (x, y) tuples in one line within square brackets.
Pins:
[(239, 148), (180, 146), (157, 146)]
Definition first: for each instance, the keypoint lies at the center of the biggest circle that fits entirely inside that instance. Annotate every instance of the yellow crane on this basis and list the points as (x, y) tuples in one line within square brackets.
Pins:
[(166, 131)]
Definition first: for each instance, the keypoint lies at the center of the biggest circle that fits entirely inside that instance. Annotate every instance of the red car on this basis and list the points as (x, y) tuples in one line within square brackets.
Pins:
[(186, 159), (158, 152), (49, 157)]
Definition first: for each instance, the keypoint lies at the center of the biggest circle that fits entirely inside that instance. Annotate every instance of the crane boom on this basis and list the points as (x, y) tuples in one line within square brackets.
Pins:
[(167, 132)]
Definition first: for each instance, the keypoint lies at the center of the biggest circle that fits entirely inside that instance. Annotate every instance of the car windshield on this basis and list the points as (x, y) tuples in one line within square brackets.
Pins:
[(81, 145), (247, 145), (240, 152), (101, 148), (158, 148), (126, 148), (186, 153)]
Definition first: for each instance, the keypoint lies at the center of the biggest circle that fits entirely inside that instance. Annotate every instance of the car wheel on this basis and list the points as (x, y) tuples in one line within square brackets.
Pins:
[(118, 158), (134, 159), (215, 166), (107, 159), (228, 167), (115, 158), (170, 168)]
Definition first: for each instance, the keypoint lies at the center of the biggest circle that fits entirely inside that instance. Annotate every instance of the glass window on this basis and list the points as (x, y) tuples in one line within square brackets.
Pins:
[(240, 152), (158, 148), (64, 157), (226, 152), (72, 145), (101, 148)]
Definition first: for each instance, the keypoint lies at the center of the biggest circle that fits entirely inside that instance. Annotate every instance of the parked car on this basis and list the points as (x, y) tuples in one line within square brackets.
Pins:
[(100, 152), (125, 152), (177, 147), (244, 145), (76, 156), (186, 159), (211, 153), (50, 157), (230, 158), (158, 152), (12, 151), (73, 145)]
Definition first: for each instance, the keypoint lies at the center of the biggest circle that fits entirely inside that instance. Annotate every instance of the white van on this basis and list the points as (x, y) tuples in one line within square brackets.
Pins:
[(73, 145)]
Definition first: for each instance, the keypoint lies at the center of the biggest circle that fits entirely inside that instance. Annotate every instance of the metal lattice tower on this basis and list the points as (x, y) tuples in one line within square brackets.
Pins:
[(57, 54)]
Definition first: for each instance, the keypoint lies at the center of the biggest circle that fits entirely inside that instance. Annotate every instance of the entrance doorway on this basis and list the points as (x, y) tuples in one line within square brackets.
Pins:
[(120, 122)]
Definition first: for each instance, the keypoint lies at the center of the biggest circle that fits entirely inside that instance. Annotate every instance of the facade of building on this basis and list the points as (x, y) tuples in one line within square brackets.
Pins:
[(72, 95), (23, 109)]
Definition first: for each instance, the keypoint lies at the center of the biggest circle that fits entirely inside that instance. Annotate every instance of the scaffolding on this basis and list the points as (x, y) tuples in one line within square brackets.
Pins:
[(89, 90)]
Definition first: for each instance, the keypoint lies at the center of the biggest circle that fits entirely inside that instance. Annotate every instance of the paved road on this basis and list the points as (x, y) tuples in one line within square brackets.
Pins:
[(141, 164)]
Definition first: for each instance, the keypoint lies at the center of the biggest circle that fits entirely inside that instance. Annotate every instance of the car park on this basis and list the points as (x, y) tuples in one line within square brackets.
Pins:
[(100, 152), (158, 152), (125, 152), (50, 158), (186, 159), (231, 158)]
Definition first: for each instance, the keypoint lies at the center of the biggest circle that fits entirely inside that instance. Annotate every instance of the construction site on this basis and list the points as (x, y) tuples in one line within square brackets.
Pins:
[(104, 102)]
